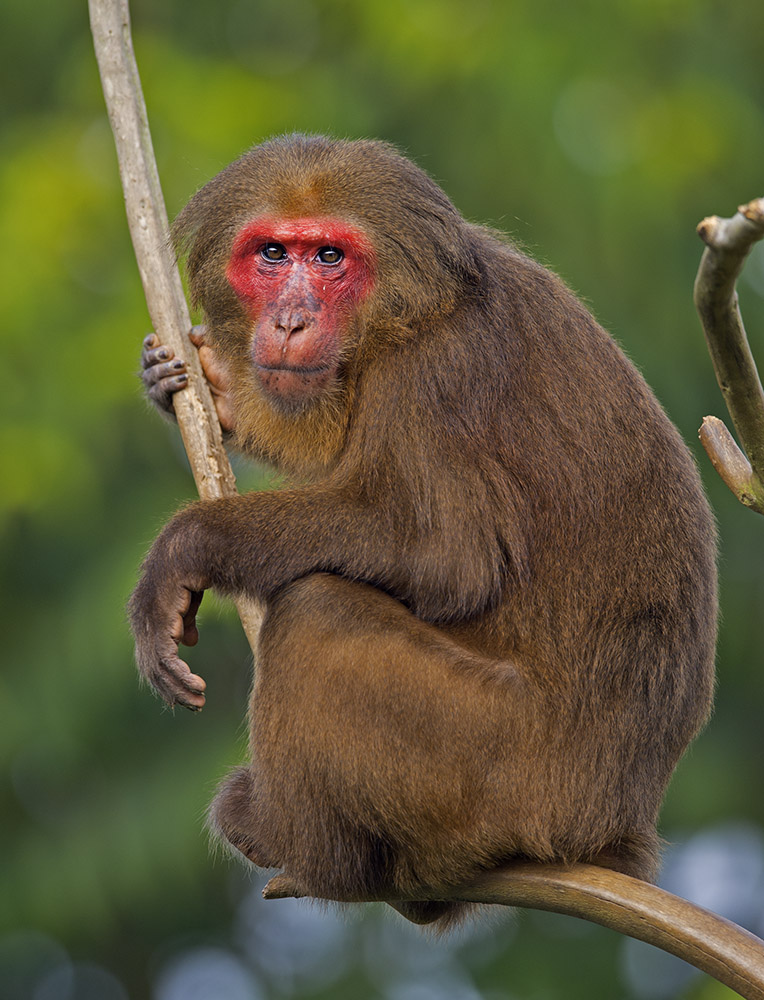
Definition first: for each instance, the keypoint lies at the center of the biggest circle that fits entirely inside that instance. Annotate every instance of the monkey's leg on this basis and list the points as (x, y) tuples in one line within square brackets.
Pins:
[(376, 738), (233, 816)]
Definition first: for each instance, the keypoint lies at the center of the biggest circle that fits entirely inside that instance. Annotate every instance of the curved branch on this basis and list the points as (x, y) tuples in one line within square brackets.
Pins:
[(709, 942), (712, 944), (728, 243), (149, 229)]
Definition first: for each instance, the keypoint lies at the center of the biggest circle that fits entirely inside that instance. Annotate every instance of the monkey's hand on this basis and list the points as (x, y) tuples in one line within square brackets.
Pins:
[(163, 614), (163, 375)]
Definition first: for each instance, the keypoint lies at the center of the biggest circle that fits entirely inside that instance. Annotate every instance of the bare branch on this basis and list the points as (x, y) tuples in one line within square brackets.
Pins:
[(149, 229), (728, 243), (643, 911), (709, 942)]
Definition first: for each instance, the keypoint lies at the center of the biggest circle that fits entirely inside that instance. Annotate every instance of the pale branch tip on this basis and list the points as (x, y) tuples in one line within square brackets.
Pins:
[(737, 234), (731, 464), (753, 211)]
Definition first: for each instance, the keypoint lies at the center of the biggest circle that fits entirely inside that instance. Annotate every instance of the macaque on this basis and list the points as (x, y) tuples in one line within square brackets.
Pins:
[(490, 589)]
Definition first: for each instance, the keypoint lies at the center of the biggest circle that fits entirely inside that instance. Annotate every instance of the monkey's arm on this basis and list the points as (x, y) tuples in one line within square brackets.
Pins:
[(163, 375), (259, 542)]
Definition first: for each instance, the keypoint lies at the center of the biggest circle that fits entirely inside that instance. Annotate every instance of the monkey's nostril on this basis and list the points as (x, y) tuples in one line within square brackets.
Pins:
[(292, 323)]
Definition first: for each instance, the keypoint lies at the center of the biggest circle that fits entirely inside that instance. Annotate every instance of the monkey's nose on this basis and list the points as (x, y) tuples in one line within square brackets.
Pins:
[(292, 323)]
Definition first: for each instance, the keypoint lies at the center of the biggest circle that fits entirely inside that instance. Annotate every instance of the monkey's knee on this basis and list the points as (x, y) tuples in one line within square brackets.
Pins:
[(233, 817)]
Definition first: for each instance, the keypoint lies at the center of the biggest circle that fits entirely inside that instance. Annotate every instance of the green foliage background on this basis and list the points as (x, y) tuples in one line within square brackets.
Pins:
[(598, 134)]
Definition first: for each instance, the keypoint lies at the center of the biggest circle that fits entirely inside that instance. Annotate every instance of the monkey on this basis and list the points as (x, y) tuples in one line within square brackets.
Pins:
[(489, 583)]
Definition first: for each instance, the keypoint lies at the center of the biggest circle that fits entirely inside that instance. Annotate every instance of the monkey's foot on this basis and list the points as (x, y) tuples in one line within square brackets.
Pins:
[(421, 911), (283, 886)]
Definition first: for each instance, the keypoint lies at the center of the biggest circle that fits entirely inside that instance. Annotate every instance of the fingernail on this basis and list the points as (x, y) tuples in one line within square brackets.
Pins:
[(181, 379), (163, 354), (178, 364)]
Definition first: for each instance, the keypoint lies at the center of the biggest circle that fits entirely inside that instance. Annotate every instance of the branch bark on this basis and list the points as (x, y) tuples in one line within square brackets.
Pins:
[(711, 943), (714, 945), (643, 911), (728, 243), (149, 229)]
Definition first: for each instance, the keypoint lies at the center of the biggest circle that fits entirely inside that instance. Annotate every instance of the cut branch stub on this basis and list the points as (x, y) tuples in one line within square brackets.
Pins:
[(728, 243)]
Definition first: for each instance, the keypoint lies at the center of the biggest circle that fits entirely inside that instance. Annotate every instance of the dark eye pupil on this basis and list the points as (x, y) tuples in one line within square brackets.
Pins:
[(330, 255), (273, 251)]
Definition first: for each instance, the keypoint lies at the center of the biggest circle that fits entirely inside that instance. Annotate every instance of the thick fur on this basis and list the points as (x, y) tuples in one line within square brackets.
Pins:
[(491, 605)]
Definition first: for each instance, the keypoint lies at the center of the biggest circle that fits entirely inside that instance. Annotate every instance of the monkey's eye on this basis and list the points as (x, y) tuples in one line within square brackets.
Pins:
[(273, 252), (329, 255)]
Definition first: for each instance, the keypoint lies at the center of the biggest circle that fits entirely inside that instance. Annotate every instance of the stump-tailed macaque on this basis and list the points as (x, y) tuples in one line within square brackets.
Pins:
[(489, 592)]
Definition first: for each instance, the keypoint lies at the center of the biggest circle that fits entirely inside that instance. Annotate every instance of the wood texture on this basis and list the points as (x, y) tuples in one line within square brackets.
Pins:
[(728, 243)]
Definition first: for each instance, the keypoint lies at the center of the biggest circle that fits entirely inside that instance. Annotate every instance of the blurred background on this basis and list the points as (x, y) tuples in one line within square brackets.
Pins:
[(598, 135)]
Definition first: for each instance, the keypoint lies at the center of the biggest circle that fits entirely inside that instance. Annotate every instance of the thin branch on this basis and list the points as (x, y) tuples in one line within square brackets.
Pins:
[(709, 942), (149, 229), (728, 243)]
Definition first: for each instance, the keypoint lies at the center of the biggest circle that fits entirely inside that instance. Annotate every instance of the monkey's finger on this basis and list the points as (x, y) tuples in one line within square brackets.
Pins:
[(161, 394), (155, 355), (197, 335), (167, 370), (190, 635), (177, 685)]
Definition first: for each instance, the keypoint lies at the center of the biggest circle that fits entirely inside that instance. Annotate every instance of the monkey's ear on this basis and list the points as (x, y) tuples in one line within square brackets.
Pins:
[(465, 264), (189, 225), (461, 260)]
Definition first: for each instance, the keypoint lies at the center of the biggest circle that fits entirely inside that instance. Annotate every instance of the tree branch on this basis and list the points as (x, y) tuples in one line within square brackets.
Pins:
[(728, 243), (149, 229), (712, 944)]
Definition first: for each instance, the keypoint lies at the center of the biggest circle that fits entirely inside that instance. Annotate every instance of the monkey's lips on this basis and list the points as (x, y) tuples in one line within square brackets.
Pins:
[(295, 383)]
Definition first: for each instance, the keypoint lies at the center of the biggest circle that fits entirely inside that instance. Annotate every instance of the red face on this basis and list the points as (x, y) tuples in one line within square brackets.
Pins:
[(300, 280)]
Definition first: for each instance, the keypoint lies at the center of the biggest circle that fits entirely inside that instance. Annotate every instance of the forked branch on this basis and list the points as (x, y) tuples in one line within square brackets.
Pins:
[(728, 243)]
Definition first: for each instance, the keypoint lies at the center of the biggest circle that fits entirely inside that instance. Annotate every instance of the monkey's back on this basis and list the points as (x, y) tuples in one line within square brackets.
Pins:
[(612, 619)]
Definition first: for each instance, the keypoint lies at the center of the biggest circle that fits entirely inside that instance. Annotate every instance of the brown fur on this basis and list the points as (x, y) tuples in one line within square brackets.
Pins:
[(491, 605)]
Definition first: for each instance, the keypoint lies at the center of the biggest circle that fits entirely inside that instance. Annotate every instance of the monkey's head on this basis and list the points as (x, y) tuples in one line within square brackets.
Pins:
[(308, 253)]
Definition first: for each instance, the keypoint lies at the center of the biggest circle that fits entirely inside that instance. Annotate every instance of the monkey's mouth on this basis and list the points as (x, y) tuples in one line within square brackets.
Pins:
[(295, 383), (297, 369)]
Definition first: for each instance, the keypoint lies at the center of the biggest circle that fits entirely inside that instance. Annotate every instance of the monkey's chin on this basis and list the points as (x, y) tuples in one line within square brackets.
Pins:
[(295, 388)]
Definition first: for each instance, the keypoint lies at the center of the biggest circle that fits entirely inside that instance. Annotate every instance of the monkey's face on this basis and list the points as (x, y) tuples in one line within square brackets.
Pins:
[(300, 281)]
